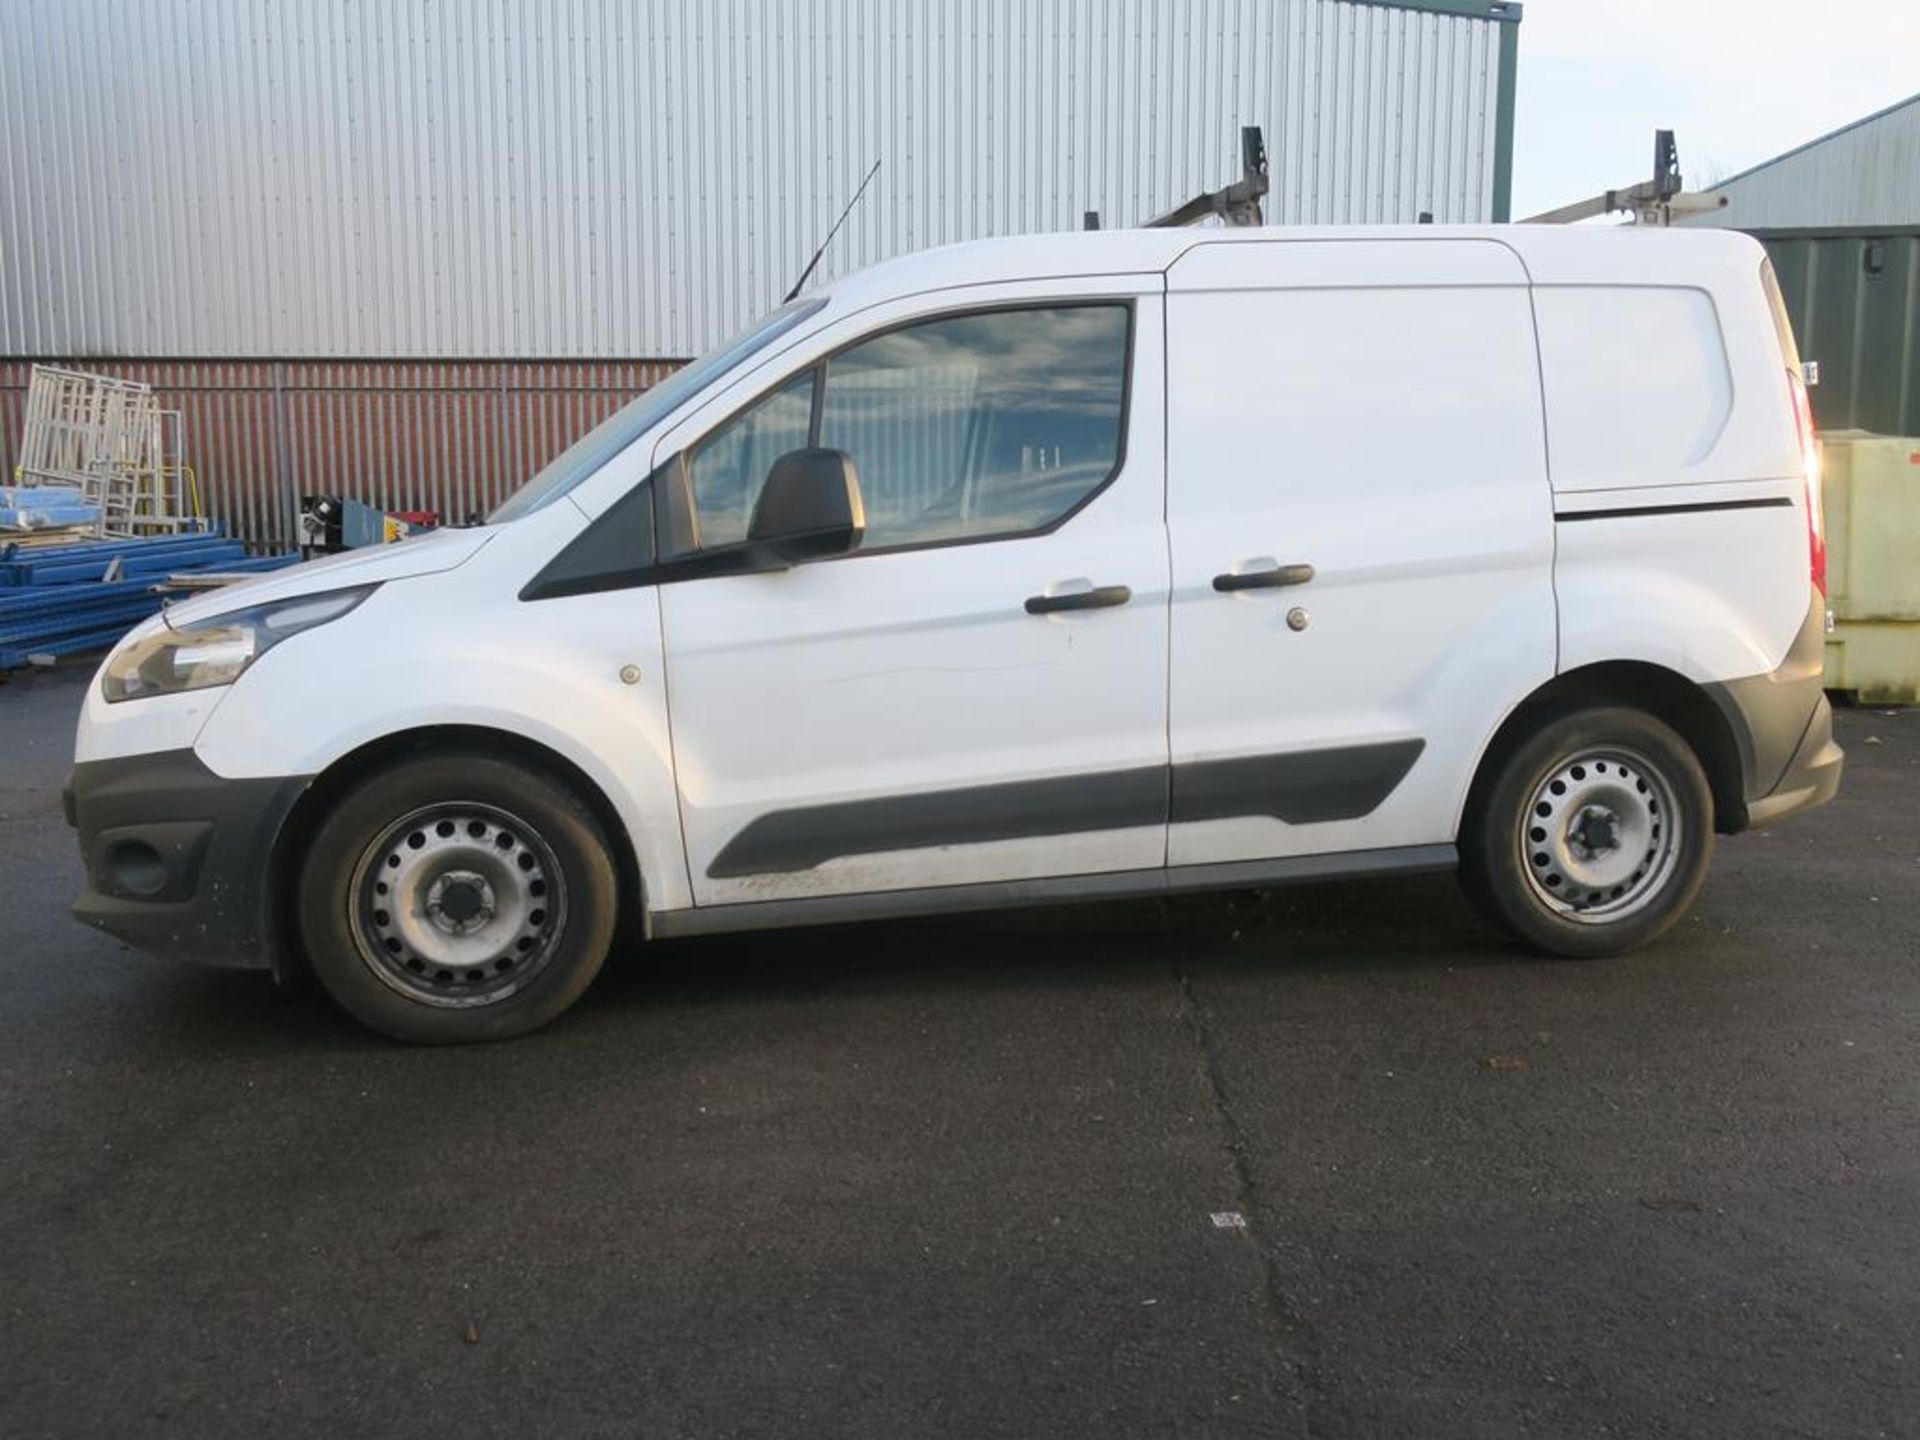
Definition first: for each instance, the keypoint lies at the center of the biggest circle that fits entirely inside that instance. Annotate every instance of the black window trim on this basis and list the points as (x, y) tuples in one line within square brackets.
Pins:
[(597, 559), (743, 559)]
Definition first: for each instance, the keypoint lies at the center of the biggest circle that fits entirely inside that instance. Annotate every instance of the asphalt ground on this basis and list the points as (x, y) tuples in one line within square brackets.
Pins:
[(1331, 1161)]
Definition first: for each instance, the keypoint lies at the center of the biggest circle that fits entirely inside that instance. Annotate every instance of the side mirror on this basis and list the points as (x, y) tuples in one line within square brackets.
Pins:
[(810, 507)]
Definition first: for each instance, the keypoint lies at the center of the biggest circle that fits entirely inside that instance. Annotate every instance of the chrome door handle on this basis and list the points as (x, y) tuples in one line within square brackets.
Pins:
[(1098, 598), (1272, 577)]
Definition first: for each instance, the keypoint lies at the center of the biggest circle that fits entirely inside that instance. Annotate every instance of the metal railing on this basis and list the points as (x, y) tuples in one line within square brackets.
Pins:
[(110, 439)]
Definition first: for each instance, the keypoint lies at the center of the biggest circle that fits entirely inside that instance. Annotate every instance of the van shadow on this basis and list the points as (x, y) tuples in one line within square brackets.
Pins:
[(1374, 925), (1366, 927)]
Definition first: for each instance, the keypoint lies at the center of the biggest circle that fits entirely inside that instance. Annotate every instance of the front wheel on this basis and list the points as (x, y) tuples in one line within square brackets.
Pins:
[(1592, 835), (458, 897)]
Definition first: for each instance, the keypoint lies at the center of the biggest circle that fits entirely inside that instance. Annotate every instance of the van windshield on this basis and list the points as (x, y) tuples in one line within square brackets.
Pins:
[(639, 415)]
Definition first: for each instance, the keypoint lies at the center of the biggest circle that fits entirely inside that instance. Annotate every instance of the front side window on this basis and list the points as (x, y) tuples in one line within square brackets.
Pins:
[(727, 470), (968, 426)]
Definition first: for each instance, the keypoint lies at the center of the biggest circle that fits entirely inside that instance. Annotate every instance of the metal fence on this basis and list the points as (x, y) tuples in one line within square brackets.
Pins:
[(455, 437)]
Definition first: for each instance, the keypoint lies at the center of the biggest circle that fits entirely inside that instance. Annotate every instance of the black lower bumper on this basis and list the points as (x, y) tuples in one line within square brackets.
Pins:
[(1783, 728), (1812, 776), (179, 860)]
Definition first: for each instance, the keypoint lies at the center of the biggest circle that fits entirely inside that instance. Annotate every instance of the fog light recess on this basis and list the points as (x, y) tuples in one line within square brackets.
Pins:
[(136, 868)]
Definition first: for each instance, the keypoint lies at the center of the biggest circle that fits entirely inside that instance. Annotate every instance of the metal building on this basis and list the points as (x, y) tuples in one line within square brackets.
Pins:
[(1840, 216), (406, 249)]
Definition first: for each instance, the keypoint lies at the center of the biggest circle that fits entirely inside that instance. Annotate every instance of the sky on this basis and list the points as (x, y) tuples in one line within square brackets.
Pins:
[(1738, 80)]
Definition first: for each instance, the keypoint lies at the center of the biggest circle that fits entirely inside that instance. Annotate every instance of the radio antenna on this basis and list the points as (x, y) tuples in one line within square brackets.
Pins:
[(799, 284)]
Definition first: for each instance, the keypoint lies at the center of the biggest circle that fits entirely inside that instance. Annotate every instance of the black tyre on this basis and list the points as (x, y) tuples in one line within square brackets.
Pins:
[(1591, 835), (458, 897)]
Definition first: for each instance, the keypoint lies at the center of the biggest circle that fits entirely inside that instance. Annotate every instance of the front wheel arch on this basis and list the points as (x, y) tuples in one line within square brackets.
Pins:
[(290, 964)]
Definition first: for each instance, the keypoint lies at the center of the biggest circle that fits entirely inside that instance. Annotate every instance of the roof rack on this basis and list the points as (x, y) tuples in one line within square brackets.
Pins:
[(1653, 202), (1236, 204)]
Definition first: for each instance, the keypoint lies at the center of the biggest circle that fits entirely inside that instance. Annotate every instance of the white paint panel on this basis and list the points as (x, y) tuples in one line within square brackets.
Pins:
[(548, 671), (593, 178), (1637, 381), (1296, 264), (1391, 439), (1758, 441), (1712, 595), (918, 671)]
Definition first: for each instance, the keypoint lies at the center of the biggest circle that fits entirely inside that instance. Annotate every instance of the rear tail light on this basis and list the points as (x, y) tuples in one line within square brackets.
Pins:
[(1810, 462)]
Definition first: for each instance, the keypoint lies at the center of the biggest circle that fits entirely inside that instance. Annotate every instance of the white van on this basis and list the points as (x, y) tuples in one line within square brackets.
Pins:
[(1064, 567)]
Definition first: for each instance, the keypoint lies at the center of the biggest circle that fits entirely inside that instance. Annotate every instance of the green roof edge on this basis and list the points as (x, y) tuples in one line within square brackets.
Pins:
[(1503, 124), (1505, 11)]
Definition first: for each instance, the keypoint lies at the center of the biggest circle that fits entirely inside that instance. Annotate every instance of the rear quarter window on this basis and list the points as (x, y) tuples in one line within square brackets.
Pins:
[(1637, 383)]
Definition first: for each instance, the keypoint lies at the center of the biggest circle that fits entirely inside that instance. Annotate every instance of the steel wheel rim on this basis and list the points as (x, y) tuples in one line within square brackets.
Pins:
[(457, 905), (1601, 836)]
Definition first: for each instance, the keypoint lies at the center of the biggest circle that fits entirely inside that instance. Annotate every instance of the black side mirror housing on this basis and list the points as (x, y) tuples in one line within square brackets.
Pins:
[(810, 507)]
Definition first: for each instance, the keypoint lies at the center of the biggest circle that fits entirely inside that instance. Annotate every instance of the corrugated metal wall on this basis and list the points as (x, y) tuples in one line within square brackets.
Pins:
[(1855, 304), (456, 438), (1864, 174), (371, 246), (605, 178)]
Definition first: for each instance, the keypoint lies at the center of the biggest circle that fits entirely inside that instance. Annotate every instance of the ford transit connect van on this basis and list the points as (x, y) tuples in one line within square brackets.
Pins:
[(1064, 567)]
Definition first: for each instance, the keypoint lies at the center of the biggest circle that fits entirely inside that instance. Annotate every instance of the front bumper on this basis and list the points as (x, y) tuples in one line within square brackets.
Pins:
[(179, 860)]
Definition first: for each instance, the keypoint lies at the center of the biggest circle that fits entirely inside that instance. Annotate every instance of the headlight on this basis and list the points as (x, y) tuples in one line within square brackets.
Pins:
[(216, 650)]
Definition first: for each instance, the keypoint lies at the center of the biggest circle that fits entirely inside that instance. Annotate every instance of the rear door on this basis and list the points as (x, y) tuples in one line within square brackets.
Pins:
[(946, 705), (1361, 532)]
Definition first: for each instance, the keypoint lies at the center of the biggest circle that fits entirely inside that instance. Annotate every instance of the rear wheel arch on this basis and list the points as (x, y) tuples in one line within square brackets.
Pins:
[(1668, 696), (337, 779)]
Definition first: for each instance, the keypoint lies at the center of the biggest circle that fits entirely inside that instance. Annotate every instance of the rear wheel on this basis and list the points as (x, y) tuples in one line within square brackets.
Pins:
[(456, 898), (1592, 835)]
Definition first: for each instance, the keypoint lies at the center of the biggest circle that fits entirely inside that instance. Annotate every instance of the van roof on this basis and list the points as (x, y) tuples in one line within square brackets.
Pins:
[(1552, 254)]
